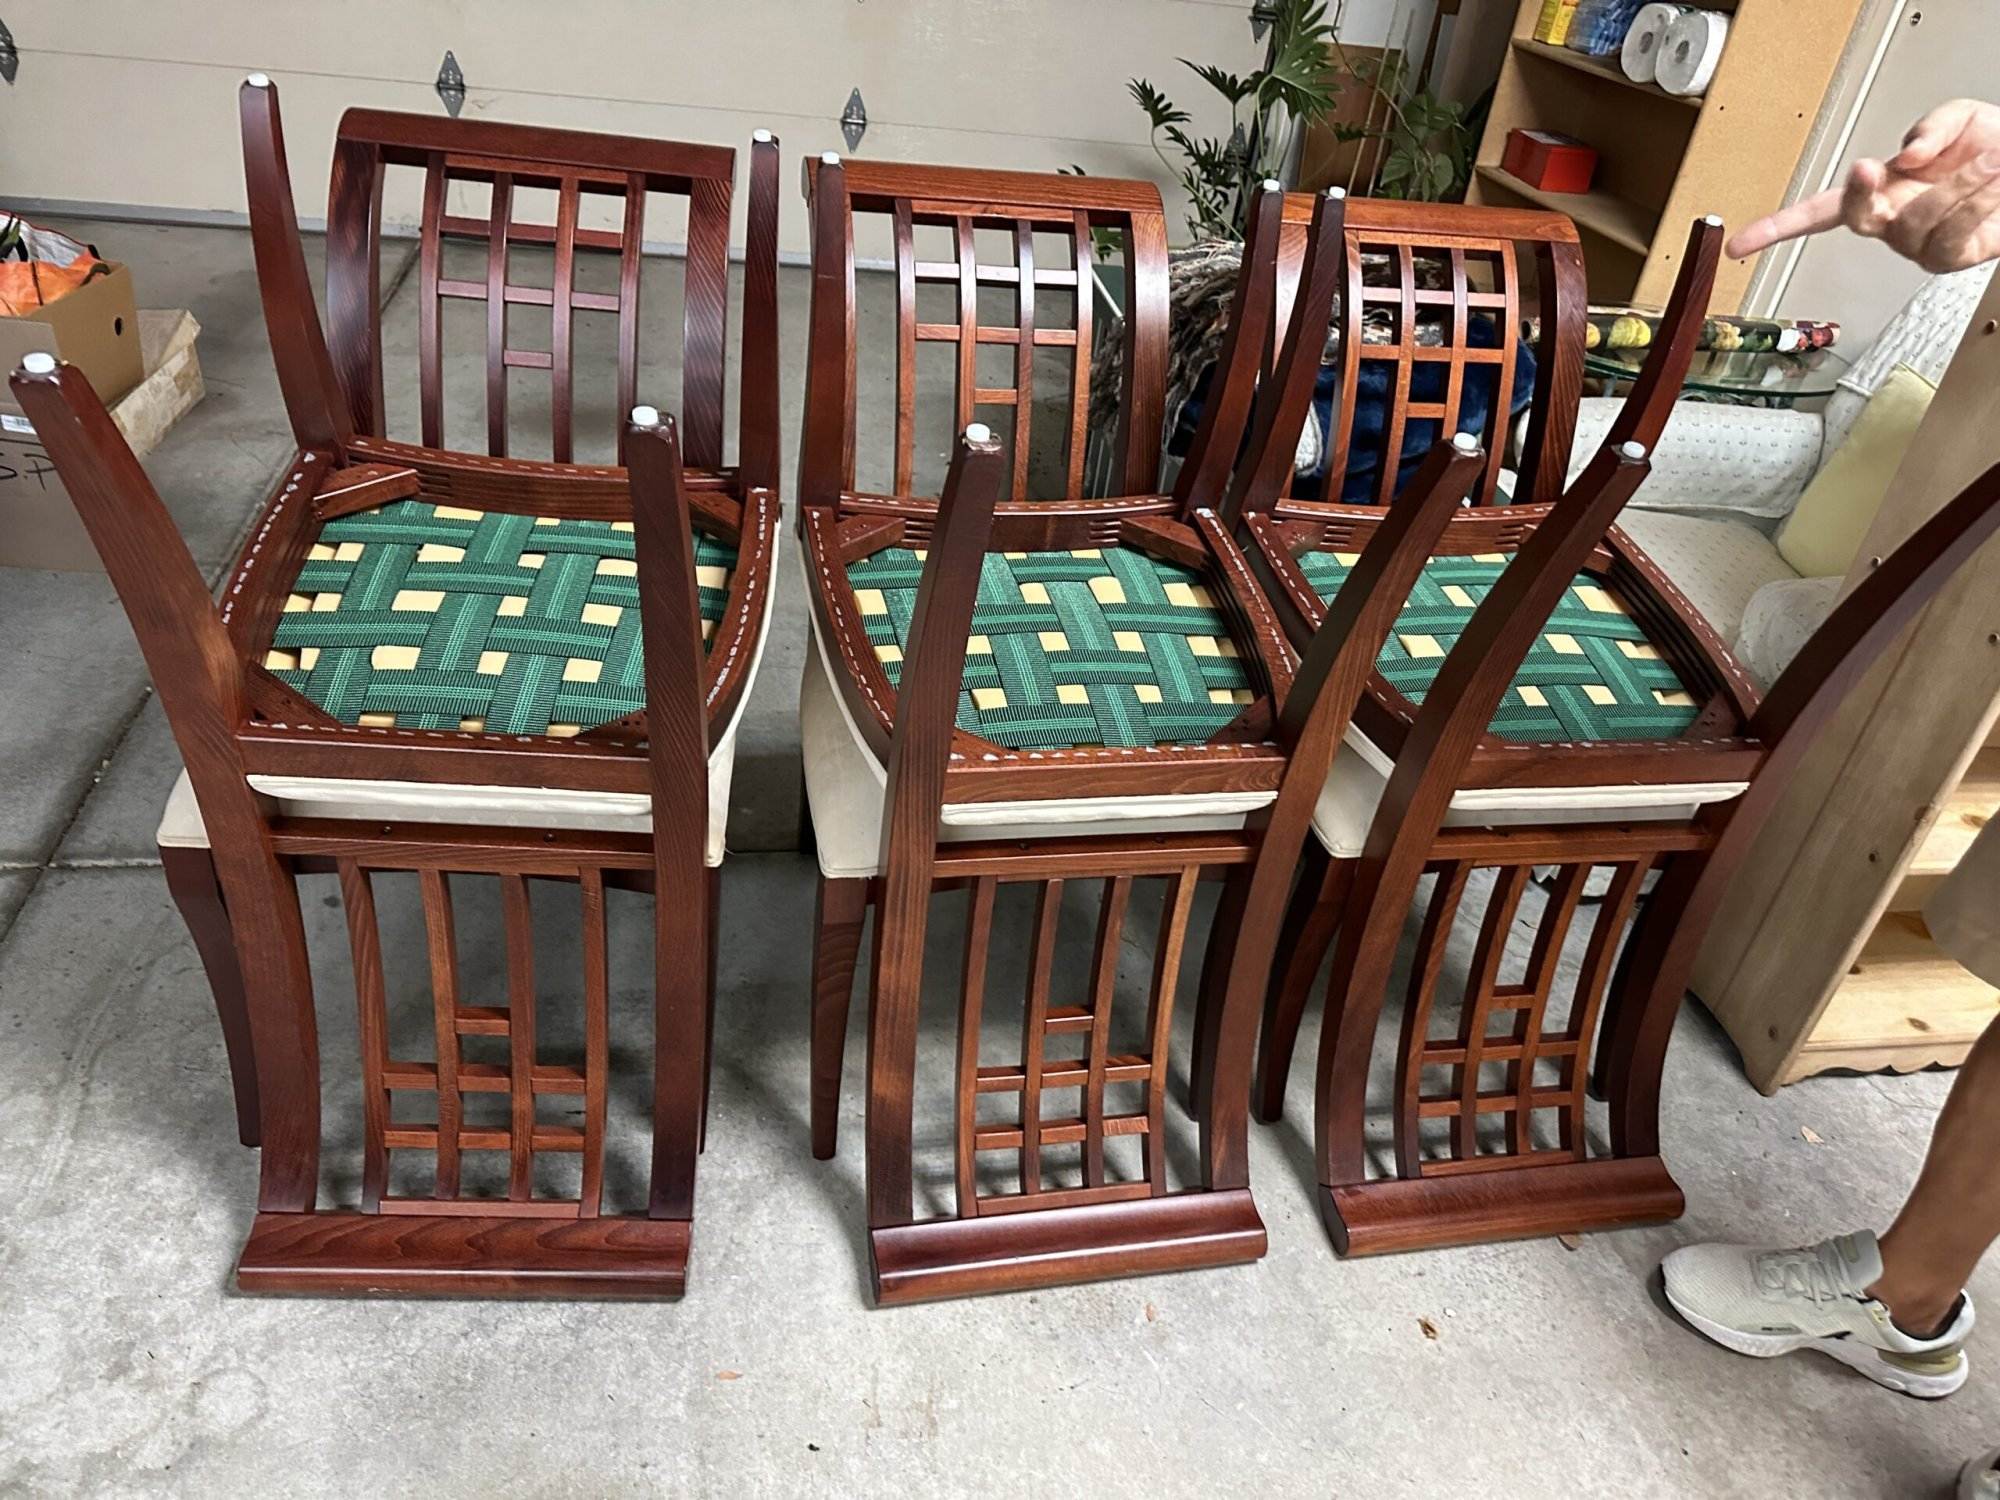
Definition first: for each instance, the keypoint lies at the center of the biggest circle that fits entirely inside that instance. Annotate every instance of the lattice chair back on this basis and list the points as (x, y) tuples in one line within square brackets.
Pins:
[(992, 284), (1429, 337), (546, 228)]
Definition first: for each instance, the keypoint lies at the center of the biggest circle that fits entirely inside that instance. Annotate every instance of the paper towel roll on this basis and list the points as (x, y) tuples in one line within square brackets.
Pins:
[(1690, 52), (1640, 56)]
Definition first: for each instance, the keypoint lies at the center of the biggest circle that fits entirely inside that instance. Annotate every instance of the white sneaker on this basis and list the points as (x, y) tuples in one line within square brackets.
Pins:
[(1768, 1302), (1980, 1478)]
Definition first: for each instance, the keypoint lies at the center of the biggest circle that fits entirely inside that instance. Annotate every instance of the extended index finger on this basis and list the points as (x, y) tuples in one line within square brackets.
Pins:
[(1807, 216)]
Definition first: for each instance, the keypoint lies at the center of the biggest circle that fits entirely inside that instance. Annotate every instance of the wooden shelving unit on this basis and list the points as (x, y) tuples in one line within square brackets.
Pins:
[(1820, 958), (1599, 67), (1664, 160), (1620, 222)]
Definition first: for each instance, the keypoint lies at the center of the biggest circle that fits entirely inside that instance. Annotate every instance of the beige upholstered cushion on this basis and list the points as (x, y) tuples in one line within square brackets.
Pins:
[(1361, 774), (474, 806), (1825, 529), (1780, 619), (846, 786), (1711, 459), (1718, 565)]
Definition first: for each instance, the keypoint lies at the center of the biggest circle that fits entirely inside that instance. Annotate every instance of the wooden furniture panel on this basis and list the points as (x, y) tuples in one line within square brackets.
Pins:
[(1663, 160), (1880, 803)]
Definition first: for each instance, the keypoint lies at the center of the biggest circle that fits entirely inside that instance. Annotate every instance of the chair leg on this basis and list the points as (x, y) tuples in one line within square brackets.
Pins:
[(839, 912), (191, 880), (708, 1031), (1311, 921)]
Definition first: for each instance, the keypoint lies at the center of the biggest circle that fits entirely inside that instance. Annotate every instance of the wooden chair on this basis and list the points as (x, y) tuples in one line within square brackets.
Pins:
[(336, 407), (1431, 303), (952, 740), (448, 663), (1548, 701)]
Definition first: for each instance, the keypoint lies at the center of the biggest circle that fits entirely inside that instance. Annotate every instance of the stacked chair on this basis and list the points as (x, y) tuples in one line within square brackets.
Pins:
[(442, 663), (451, 664)]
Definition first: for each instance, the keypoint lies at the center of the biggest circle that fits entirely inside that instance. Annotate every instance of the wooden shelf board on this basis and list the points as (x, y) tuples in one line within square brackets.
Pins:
[(1971, 805), (1904, 1005), (1619, 221), (1607, 68)]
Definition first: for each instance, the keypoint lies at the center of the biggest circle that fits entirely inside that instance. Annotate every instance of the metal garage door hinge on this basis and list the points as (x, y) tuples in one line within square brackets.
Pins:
[(1262, 14), (10, 55), (854, 120), (451, 85)]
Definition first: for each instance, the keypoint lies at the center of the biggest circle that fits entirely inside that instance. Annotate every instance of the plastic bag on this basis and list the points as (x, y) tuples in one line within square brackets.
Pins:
[(39, 265), (1600, 26)]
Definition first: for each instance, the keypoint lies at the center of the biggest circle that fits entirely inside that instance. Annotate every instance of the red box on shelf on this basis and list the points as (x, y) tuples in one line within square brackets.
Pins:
[(1554, 163)]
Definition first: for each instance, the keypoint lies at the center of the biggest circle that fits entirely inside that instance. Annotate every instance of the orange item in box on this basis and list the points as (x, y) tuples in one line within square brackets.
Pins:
[(1554, 163), (26, 286)]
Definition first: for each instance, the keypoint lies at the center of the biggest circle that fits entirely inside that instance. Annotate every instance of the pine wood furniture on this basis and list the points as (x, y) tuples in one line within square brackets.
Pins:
[(1531, 623), (1663, 159), (452, 663), (1039, 692), (1820, 957)]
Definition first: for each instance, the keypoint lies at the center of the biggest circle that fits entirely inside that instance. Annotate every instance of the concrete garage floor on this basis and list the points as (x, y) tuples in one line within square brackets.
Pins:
[(127, 1365)]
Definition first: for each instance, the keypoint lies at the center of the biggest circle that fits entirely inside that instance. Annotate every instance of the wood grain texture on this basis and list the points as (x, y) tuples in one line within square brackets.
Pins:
[(335, 1254), (1427, 1213), (964, 1257)]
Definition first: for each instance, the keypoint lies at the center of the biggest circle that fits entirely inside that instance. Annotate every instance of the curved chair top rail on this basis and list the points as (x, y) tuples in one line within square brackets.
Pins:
[(409, 140), (577, 166), (1439, 285), (966, 201)]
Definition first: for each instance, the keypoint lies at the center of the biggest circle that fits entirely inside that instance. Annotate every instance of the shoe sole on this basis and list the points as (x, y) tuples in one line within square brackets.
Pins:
[(1927, 1377)]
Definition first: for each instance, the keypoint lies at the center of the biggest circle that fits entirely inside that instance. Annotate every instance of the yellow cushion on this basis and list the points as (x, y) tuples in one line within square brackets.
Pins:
[(1826, 528)]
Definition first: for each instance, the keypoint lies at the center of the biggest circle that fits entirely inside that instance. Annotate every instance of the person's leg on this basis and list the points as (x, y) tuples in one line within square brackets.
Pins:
[(1953, 1213)]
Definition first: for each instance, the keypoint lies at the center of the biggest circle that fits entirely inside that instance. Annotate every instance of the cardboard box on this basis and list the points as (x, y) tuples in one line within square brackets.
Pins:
[(38, 525), (95, 328)]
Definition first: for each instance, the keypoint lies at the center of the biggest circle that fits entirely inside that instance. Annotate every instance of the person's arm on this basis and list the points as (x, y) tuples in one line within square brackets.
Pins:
[(1936, 201)]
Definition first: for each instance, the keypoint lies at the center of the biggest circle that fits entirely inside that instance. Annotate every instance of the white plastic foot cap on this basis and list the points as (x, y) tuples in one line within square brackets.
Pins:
[(1714, 219), (1633, 451), (258, 80), (1271, 185), (761, 137), (1465, 442), (829, 158), (39, 364), (1336, 192), (645, 416), (978, 432)]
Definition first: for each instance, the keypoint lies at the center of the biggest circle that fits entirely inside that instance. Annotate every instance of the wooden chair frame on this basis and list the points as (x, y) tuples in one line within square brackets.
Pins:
[(234, 719), (1281, 743), (1357, 907), (1465, 240)]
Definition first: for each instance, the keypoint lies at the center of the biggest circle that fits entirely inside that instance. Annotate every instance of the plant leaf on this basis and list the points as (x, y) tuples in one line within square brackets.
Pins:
[(1227, 84)]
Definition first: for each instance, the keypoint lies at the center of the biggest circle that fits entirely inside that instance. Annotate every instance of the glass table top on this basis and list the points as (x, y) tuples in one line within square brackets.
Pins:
[(1738, 374)]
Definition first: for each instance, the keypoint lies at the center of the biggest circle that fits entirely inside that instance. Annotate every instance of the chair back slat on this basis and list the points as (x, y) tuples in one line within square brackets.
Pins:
[(457, 159), (1432, 301), (966, 206)]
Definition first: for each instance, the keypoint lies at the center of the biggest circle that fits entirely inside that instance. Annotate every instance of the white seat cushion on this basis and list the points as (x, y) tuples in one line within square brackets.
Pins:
[(1361, 774), (1716, 564), (473, 806), (846, 786)]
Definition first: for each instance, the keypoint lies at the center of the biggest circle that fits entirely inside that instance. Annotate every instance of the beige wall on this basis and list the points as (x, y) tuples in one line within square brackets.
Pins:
[(142, 92), (1948, 51)]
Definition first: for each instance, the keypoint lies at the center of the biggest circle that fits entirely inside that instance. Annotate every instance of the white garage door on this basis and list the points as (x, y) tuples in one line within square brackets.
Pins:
[(134, 101)]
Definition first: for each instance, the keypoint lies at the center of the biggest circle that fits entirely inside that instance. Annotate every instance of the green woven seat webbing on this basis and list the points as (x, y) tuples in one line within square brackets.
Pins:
[(1593, 675), (1103, 646), (435, 617)]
